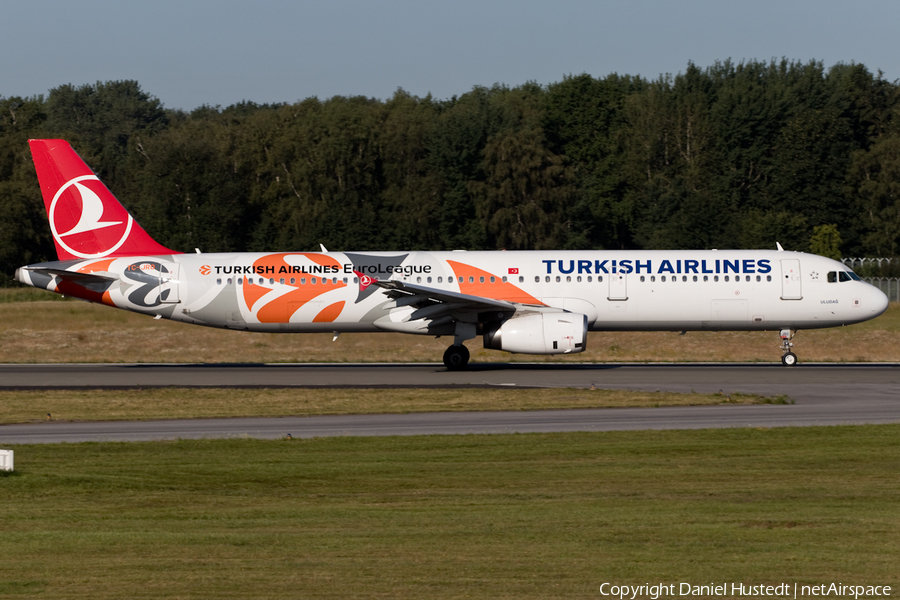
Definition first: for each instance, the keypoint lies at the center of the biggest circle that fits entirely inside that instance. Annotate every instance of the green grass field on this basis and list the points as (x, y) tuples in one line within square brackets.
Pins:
[(509, 516)]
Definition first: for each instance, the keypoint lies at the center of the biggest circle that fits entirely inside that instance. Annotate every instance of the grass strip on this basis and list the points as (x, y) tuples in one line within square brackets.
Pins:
[(188, 403), (500, 516), (60, 332)]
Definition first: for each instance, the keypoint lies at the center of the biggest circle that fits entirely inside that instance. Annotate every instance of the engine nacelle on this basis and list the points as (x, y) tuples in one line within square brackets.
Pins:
[(552, 332)]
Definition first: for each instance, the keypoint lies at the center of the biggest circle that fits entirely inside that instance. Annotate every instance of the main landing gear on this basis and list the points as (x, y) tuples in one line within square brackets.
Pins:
[(788, 358), (456, 358)]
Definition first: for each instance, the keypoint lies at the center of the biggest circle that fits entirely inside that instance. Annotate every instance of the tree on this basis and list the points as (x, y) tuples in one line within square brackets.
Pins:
[(874, 183), (24, 235), (826, 241), (522, 201), (100, 120)]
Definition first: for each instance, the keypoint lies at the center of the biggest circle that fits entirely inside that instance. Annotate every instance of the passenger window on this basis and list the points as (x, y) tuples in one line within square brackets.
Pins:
[(219, 281), (472, 279), (293, 280), (312, 281), (493, 279), (272, 281), (418, 280), (642, 278), (303, 281), (345, 280), (428, 280), (663, 278), (589, 278), (229, 281), (832, 277), (726, 278), (759, 278), (547, 279), (537, 279), (440, 280), (521, 279), (281, 280), (748, 278), (578, 279), (706, 278), (715, 278), (599, 278), (355, 280), (480, 279), (652, 278), (695, 278), (768, 278), (240, 280), (568, 278)]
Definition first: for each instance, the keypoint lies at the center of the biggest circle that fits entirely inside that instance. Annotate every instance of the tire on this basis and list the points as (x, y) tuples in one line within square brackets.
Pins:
[(456, 358), (789, 359)]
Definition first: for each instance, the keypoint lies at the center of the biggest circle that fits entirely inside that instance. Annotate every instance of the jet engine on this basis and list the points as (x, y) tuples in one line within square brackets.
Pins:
[(551, 332)]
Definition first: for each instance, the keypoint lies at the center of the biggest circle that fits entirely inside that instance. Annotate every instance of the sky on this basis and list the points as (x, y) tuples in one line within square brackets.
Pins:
[(190, 53)]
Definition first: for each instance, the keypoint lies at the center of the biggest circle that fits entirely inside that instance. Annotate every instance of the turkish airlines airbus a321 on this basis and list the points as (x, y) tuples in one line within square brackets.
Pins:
[(534, 302)]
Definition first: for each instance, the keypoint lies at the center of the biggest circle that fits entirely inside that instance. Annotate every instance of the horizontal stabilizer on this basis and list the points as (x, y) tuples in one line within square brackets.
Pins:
[(90, 281)]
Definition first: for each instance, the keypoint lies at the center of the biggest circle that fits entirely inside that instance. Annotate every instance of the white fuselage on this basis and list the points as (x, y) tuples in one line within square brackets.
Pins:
[(616, 290)]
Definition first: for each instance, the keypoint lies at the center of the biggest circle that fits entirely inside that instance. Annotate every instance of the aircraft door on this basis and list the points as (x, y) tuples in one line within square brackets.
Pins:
[(169, 276), (150, 284), (790, 279), (618, 287)]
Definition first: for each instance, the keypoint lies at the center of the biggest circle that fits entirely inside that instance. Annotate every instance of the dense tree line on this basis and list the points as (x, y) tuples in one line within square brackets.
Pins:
[(734, 155)]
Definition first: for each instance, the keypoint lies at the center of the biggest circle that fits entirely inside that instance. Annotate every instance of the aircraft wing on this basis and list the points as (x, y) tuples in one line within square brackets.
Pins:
[(440, 306)]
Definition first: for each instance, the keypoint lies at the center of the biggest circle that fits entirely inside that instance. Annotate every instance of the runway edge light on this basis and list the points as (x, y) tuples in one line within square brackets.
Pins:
[(6, 460)]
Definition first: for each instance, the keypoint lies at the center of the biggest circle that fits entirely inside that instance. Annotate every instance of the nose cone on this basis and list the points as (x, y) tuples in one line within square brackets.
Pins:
[(877, 301)]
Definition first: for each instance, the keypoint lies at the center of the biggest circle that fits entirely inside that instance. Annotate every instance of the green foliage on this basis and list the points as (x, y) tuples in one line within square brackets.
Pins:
[(826, 241), (732, 155)]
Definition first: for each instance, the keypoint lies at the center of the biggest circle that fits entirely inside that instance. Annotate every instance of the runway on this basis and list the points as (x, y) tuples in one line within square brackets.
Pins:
[(825, 394)]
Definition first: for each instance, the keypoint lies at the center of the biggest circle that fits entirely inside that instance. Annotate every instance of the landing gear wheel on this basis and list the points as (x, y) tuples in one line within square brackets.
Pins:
[(788, 358), (456, 358)]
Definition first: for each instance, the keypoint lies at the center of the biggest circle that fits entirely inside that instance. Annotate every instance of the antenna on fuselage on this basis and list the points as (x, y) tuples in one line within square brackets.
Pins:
[(780, 249)]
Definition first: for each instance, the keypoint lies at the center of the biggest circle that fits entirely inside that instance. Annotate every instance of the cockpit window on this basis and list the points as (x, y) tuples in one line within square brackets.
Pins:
[(835, 276)]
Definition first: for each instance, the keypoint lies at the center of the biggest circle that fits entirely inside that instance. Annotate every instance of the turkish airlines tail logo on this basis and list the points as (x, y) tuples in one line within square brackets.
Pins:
[(91, 212), (85, 218)]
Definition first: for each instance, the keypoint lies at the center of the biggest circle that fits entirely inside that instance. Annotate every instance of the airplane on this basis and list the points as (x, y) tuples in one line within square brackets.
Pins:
[(529, 302)]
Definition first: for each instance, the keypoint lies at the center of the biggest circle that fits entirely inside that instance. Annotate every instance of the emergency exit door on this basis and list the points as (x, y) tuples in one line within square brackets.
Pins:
[(618, 287)]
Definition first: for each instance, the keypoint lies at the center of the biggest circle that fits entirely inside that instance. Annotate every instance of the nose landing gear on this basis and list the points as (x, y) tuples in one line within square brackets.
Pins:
[(788, 358)]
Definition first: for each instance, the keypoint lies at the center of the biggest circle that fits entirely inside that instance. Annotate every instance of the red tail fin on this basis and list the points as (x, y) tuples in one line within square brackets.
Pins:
[(85, 218)]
